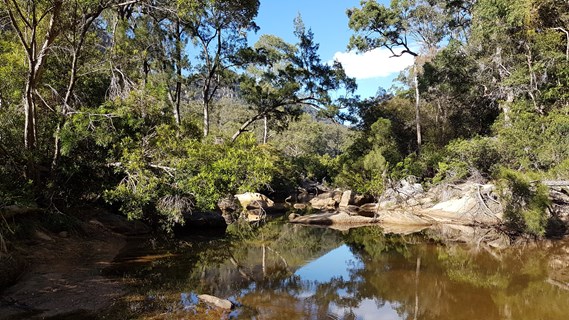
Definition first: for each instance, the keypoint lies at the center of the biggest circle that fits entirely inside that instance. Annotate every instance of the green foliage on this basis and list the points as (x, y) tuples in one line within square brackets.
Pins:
[(479, 153), (531, 141), (526, 202), (423, 166), (186, 175), (453, 171), (365, 164)]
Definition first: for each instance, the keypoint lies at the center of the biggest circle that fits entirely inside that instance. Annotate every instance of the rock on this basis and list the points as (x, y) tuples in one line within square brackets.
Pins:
[(426, 201), (228, 204), (327, 200), (402, 218), (299, 206), (352, 210), (292, 216), (360, 200), (388, 204), (252, 216), (346, 199), (253, 200), (42, 236), (229, 217), (215, 301), (204, 220), (469, 209), (412, 202), (337, 195), (408, 190), (96, 222), (120, 224), (369, 207)]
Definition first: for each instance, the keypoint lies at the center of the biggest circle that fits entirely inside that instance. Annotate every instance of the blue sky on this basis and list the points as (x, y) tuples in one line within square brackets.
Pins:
[(329, 22)]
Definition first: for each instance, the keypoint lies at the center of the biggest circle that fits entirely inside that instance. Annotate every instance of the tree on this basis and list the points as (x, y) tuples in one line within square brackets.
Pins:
[(414, 26), (281, 78), (218, 30), (37, 25)]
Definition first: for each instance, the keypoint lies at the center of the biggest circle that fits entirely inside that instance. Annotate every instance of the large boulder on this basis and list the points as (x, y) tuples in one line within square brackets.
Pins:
[(254, 200), (408, 188)]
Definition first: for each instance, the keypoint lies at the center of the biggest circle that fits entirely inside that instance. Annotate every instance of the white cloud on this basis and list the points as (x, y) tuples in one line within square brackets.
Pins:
[(372, 64)]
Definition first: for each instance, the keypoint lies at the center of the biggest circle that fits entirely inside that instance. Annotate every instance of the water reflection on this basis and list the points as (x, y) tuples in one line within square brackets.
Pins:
[(282, 271)]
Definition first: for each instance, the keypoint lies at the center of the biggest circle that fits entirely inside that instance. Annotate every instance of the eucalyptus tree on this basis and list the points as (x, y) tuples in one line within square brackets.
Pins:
[(36, 24), (218, 31), (44, 29), (283, 78), (411, 27)]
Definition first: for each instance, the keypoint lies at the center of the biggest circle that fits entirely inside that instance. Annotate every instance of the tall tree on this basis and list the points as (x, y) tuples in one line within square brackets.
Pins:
[(283, 78), (218, 29), (37, 24), (406, 27)]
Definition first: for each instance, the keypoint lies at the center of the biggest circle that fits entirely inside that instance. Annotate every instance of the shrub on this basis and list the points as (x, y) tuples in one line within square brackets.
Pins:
[(525, 202), (480, 153)]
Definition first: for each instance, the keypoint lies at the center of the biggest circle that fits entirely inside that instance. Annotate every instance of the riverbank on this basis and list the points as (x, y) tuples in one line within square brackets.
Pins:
[(60, 274), (465, 206)]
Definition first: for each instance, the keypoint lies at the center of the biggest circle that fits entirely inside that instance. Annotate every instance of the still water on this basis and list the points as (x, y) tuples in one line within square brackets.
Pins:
[(283, 271)]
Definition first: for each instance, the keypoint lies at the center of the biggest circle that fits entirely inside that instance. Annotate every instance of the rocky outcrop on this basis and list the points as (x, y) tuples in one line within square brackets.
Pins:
[(346, 199), (474, 205), (407, 204), (559, 196)]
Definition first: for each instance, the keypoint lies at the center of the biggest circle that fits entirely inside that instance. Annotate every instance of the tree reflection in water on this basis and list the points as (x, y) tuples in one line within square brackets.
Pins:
[(283, 271)]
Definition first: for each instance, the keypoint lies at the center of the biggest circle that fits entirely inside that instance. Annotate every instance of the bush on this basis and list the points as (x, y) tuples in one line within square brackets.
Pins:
[(172, 176), (452, 171), (526, 203), (423, 166), (480, 153)]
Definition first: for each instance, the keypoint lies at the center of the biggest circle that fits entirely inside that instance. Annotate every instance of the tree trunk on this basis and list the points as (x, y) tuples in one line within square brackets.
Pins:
[(86, 20), (30, 113), (417, 112), (245, 125), (178, 74), (266, 129), (206, 118)]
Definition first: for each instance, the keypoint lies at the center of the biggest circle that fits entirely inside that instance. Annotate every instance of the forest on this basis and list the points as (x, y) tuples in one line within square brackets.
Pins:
[(157, 108)]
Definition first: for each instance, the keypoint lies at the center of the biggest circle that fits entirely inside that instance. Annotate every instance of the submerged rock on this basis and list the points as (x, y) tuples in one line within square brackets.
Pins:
[(215, 301)]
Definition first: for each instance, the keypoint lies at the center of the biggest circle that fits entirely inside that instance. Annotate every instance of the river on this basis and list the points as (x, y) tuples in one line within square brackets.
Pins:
[(283, 271)]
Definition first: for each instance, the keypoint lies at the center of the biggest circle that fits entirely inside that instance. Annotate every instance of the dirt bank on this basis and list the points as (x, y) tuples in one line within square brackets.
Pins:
[(63, 274)]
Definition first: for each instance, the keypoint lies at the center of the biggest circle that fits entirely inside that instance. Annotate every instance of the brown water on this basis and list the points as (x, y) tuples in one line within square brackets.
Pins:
[(283, 271)]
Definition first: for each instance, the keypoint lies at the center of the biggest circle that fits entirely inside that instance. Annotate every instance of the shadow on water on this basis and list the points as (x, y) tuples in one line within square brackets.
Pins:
[(283, 271)]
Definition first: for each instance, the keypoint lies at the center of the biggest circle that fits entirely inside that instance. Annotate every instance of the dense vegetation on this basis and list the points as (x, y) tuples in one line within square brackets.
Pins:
[(161, 107)]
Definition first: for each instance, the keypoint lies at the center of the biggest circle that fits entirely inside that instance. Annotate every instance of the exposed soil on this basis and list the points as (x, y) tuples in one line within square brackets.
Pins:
[(64, 271)]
